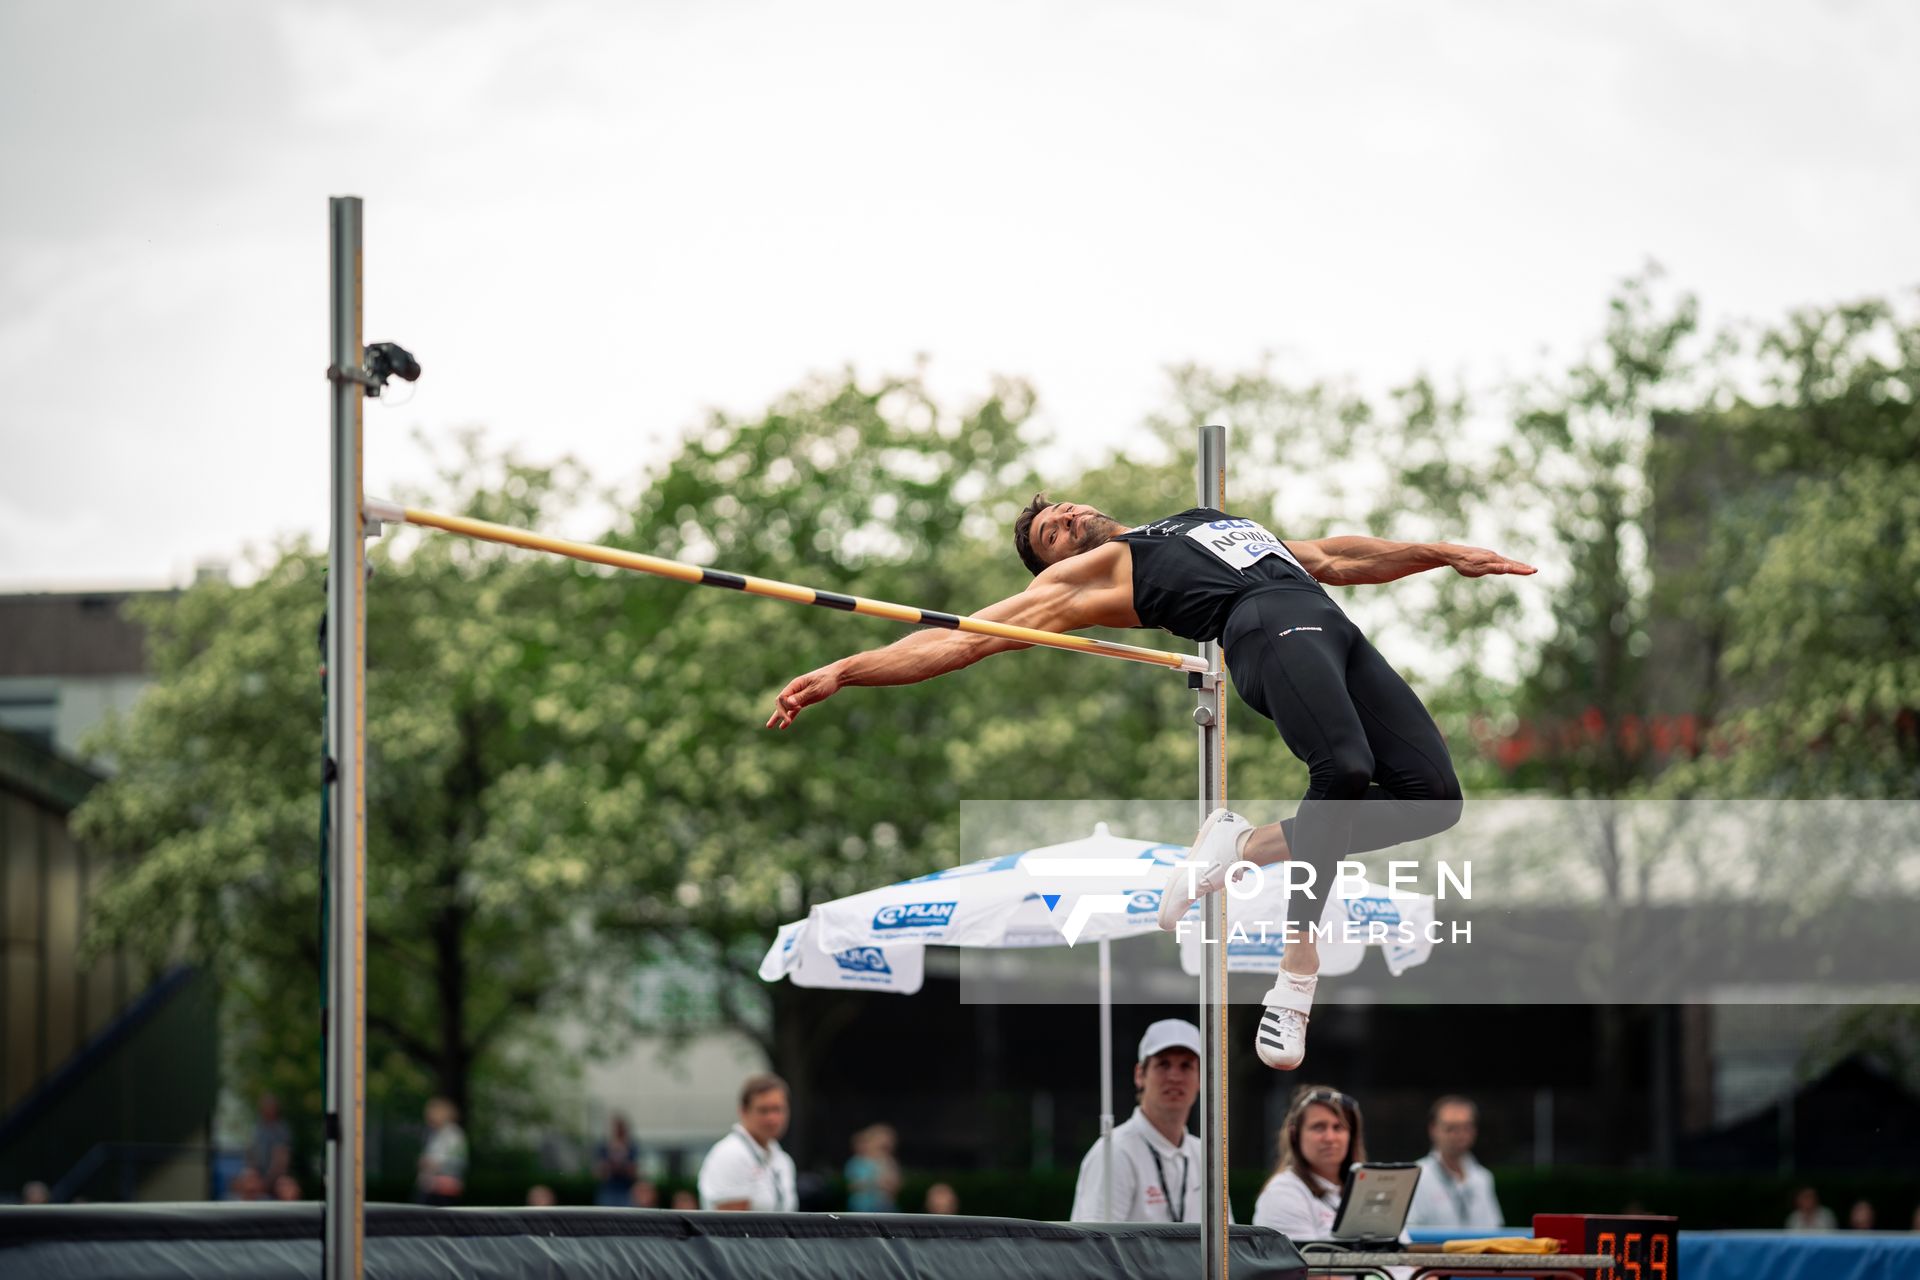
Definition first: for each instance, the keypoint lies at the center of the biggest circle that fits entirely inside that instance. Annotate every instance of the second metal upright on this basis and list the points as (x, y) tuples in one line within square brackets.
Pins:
[(1211, 716)]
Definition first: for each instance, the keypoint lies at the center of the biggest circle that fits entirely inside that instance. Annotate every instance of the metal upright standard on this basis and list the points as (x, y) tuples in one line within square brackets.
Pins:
[(1211, 716), (344, 1230), (1106, 1079), (356, 372)]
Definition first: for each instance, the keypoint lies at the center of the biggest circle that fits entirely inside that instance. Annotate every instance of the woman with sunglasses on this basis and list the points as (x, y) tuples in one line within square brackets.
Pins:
[(1321, 1137)]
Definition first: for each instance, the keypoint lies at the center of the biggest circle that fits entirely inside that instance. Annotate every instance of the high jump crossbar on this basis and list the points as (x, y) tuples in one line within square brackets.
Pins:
[(679, 571)]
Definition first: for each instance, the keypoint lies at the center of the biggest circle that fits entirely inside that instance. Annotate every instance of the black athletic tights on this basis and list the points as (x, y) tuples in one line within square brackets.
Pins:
[(1297, 660)]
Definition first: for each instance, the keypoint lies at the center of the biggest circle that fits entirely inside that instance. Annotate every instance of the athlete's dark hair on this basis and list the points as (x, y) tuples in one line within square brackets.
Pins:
[(1021, 542)]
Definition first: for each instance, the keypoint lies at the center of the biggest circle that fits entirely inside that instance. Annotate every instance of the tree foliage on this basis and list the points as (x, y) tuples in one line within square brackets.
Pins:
[(1819, 666), (468, 930)]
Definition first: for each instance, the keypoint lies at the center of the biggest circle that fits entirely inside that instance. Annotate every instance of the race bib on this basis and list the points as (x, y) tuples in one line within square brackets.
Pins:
[(1241, 543)]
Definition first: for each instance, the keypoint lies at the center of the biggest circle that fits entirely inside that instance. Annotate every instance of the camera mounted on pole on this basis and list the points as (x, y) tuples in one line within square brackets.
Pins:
[(383, 360)]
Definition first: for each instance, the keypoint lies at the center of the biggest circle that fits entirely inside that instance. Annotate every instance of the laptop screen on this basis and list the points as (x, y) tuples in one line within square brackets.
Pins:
[(1374, 1203)]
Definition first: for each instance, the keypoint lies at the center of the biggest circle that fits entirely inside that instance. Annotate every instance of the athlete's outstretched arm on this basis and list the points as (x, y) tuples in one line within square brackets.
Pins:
[(1357, 561), (1052, 603)]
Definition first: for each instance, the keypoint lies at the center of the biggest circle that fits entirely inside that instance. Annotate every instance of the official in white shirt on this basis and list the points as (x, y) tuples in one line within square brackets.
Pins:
[(747, 1169), (1455, 1190), (1157, 1164)]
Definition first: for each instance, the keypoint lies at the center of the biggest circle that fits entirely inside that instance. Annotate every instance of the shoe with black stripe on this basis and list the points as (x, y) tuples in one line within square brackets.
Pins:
[(1214, 852), (1281, 1040)]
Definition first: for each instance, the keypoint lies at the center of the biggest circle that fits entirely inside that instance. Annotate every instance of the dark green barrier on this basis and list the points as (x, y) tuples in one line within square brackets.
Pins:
[(1702, 1202)]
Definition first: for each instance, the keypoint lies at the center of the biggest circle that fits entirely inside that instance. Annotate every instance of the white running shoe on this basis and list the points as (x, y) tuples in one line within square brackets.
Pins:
[(1217, 847), (1281, 1040)]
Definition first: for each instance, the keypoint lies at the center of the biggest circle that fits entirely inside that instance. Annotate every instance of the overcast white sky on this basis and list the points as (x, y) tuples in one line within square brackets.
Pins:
[(697, 204)]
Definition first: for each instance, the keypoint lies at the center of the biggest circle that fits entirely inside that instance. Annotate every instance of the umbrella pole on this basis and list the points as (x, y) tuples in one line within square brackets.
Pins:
[(1106, 1078)]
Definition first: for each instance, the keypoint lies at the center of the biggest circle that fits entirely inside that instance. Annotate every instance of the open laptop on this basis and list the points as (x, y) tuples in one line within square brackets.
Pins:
[(1373, 1209)]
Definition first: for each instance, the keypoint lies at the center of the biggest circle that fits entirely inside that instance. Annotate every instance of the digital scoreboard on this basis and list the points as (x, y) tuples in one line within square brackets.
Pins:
[(1643, 1247)]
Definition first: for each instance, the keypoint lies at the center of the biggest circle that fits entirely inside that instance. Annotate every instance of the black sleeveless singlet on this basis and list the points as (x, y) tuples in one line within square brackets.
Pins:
[(1190, 570)]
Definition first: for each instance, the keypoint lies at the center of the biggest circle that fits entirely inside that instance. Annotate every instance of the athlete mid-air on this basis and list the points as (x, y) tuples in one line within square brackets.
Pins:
[(1293, 655)]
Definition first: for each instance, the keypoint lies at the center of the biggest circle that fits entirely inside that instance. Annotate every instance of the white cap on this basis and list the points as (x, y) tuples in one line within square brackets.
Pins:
[(1169, 1033)]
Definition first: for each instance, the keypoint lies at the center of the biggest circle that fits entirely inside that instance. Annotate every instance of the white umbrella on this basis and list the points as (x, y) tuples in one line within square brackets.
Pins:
[(1095, 889)]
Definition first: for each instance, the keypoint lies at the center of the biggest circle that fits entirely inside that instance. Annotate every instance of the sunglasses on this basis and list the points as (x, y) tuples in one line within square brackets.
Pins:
[(1333, 1097)]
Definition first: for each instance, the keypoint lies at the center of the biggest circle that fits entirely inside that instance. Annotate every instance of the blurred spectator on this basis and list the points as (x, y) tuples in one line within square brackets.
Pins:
[(286, 1187), (1808, 1213), (270, 1150), (1860, 1217), (616, 1164), (443, 1161), (1454, 1190), (1916, 1217), (941, 1198), (37, 1193), (645, 1194), (873, 1175), (747, 1169), (540, 1196), (247, 1185), (685, 1200)]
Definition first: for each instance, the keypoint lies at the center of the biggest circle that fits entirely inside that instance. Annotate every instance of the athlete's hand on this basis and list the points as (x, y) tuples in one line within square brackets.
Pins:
[(1478, 562), (803, 691)]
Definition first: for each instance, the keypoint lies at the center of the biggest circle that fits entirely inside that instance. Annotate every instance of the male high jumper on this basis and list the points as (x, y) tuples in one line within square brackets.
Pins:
[(1293, 655)]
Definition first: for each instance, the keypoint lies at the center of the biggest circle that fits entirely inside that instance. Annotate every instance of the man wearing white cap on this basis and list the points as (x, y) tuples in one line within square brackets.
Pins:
[(1157, 1164)]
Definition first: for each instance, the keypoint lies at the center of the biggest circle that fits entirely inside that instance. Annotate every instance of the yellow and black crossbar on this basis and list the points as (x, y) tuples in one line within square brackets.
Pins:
[(680, 571)]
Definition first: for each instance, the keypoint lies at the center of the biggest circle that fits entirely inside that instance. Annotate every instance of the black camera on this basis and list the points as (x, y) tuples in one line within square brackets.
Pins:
[(389, 360)]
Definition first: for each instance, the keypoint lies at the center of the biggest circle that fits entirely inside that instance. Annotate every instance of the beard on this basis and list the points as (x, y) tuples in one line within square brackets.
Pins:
[(1093, 530)]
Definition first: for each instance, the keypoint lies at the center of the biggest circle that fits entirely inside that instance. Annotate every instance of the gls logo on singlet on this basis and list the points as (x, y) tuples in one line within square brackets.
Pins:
[(1241, 544)]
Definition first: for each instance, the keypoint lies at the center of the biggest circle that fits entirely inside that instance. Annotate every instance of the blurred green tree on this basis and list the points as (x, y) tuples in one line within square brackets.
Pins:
[(1811, 624), (215, 807), (1815, 625)]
